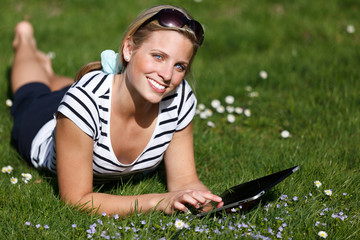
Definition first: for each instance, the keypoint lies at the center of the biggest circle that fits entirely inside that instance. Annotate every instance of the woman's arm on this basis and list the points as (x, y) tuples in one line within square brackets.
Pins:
[(74, 151), (181, 171)]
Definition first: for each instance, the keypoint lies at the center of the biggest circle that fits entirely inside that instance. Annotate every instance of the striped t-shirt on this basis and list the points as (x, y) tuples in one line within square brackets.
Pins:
[(88, 104)]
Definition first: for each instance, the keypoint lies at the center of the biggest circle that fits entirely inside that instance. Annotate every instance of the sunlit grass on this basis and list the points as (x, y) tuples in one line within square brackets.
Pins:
[(292, 65)]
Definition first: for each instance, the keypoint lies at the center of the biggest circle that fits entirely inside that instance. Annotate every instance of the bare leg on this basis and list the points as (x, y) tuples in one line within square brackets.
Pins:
[(31, 65)]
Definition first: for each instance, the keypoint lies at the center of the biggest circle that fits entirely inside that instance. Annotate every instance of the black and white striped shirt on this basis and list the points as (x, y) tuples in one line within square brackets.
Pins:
[(88, 104)]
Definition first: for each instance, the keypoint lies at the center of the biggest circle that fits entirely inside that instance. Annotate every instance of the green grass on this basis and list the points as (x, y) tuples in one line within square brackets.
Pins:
[(311, 90)]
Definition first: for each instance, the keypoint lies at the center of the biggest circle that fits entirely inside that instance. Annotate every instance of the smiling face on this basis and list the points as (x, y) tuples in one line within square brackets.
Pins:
[(159, 65)]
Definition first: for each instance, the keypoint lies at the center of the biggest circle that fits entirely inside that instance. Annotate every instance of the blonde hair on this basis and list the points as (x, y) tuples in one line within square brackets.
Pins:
[(139, 33)]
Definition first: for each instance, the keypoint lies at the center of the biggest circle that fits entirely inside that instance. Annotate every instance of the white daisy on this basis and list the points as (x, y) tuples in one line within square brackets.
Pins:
[(208, 112), (317, 183), (13, 180), (51, 55), (7, 169), (350, 29), (230, 118), (285, 134), (328, 192), (229, 99), (9, 103), (220, 109), (322, 234), (211, 124), (203, 115), (239, 110), (248, 88), (26, 177), (253, 94), (230, 109), (179, 224), (263, 74), (215, 103), (201, 106), (247, 112)]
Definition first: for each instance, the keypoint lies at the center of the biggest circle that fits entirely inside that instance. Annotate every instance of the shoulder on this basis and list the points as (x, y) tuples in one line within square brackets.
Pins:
[(95, 82), (86, 100)]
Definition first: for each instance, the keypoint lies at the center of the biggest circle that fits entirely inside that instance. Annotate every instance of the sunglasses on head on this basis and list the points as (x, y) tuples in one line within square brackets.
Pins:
[(173, 18)]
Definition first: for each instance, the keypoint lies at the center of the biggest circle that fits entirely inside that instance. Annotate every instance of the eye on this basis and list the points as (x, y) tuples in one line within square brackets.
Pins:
[(180, 67), (157, 56)]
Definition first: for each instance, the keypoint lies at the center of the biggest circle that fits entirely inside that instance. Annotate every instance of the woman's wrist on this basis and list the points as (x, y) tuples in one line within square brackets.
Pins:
[(158, 201)]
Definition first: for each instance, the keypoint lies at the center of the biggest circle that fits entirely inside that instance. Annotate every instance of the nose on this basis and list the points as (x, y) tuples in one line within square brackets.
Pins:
[(166, 72)]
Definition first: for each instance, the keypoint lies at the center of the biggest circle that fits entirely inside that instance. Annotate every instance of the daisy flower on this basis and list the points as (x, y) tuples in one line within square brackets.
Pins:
[(220, 109), (239, 110), (211, 124), (317, 183), (26, 177), (328, 192), (253, 94), (179, 224), (203, 115), (263, 74), (208, 112), (248, 88), (9, 103), (322, 234), (230, 109), (7, 169), (13, 180), (201, 107), (215, 103), (285, 134), (247, 112), (350, 29), (51, 55), (229, 99), (230, 118)]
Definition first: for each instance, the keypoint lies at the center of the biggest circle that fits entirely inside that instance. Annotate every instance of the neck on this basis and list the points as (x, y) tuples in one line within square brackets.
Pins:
[(128, 104)]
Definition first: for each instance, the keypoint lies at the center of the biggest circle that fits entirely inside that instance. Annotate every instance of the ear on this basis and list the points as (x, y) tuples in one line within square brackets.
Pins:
[(127, 50)]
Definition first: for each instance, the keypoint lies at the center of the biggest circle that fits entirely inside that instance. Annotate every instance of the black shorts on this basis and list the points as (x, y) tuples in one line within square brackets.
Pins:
[(34, 105)]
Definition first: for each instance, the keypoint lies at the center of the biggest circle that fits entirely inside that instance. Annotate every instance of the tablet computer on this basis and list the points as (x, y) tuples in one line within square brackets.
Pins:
[(245, 193)]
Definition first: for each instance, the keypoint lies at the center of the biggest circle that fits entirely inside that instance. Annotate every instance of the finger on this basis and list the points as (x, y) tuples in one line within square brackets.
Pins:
[(191, 198), (180, 206), (200, 199), (211, 197), (220, 204)]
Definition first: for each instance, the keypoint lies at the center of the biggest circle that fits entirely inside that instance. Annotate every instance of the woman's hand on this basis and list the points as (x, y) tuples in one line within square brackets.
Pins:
[(177, 200)]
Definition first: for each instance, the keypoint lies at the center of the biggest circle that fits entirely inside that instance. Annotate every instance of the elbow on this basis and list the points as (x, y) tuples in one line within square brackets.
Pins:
[(79, 201)]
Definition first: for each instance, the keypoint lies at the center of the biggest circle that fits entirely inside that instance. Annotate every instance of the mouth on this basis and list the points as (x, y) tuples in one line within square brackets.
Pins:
[(156, 86)]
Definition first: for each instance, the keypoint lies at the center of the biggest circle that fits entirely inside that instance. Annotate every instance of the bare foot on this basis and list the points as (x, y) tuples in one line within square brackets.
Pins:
[(24, 33)]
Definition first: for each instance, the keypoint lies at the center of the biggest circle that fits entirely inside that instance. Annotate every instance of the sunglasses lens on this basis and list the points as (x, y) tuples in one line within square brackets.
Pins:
[(198, 30), (174, 18), (170, 18)]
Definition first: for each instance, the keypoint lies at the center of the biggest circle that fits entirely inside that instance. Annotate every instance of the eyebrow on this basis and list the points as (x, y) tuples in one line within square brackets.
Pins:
[(167, 55)]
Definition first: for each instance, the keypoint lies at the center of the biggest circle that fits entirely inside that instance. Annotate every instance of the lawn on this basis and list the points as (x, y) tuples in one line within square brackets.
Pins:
[(292, 71)]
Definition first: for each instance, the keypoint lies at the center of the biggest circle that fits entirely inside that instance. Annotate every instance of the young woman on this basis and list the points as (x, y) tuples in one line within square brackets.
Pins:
[(120, 117)]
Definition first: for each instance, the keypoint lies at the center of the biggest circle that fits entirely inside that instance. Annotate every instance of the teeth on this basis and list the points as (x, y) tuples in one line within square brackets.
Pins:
[(158, 86)]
